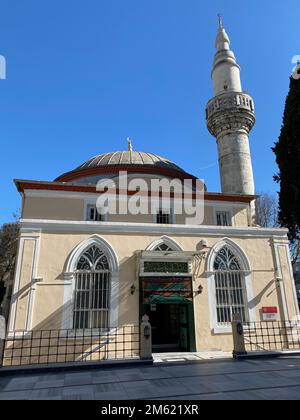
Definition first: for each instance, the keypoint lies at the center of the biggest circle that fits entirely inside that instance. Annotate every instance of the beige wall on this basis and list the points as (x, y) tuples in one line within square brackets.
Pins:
[(240, 216), (48, 306), (55, 249), (26, 258), (74, 209), (52, 208)]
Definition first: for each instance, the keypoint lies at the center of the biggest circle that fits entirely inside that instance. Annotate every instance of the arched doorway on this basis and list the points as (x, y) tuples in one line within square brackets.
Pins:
[(167, 296)]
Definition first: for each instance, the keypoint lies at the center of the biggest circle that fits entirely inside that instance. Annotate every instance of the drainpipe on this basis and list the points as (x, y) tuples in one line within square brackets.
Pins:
[(2, 337), (279, 280)]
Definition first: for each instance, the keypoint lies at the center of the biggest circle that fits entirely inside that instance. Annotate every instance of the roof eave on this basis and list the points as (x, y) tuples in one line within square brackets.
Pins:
[(23, 185)]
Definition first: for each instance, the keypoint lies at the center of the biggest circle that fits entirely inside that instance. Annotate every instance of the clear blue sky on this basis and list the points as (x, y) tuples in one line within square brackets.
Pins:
[(84, 75)]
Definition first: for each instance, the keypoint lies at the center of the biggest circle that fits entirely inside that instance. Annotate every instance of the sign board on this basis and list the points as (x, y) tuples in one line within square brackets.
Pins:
[(269, 313), (153, 307), (2, 327)]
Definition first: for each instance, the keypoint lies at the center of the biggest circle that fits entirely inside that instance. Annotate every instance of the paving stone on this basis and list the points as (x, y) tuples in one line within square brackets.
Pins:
[(78, 378), (15, 395), (228, 380), (45, 393), (55, 383), (78, 393), (104, 377), (140, 389)]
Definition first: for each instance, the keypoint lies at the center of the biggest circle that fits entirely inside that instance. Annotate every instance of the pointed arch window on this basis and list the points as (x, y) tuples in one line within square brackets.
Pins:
[(230, 286), (92, 290), (163, 247)]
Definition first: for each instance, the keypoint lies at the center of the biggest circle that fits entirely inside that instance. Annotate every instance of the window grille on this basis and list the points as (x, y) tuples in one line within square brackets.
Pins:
[(92, 290), (223, 218), (163, 247), (231, 293), (163, 217), (94, 215)]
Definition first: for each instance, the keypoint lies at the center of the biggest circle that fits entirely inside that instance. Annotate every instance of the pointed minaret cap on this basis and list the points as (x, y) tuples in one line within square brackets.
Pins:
[(226, 71), (222, 40)]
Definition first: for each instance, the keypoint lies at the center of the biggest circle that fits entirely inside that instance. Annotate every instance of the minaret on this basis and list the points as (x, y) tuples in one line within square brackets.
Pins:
[(230, 118)]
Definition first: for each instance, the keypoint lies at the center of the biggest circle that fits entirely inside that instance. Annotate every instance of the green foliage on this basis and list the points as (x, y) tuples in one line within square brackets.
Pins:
[(287, 151), (8, 251)]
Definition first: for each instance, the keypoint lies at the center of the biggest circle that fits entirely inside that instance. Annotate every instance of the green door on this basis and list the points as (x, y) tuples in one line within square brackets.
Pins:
[(184, 339)]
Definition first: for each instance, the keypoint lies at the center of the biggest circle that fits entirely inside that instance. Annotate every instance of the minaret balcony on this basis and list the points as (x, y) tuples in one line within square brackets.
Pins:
[(229, 100), (230, 112)]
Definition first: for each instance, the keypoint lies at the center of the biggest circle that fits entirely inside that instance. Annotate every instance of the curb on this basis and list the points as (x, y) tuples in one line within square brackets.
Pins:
[(64, 367), (266, 355)]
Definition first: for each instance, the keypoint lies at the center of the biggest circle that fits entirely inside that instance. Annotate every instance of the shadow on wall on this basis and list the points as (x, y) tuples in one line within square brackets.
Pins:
[(53, 340), (258, 298), (49, 343), (128, 304)]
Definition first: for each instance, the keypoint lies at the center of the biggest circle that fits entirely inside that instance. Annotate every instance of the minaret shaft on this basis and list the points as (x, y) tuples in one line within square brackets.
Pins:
[(230, 118)]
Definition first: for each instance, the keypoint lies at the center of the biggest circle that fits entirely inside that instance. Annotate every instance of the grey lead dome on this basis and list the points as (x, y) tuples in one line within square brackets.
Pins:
[(129, 158)]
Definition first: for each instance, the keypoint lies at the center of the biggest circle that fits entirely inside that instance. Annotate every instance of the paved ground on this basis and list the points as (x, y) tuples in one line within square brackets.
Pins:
[(225, 379), (191, 356)]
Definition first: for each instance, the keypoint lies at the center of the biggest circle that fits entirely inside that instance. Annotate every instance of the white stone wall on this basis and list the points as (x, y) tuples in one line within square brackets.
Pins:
[(235, 164)]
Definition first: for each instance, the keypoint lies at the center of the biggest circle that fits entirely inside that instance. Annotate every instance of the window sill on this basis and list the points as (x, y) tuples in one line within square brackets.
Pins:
[(222, 330), (228, 330), (93, 332)]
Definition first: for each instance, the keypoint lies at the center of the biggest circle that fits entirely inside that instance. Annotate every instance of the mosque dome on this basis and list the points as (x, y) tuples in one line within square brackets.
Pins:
[(109, 164), (129, 158)]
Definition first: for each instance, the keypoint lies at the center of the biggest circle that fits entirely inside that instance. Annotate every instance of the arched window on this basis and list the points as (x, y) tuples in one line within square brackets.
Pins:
[(163, 247), (231, 294), (164, 243), (92, 290)]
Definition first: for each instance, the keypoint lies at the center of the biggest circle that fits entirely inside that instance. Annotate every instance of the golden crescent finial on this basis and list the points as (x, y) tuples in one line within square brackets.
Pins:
[(129, 144)]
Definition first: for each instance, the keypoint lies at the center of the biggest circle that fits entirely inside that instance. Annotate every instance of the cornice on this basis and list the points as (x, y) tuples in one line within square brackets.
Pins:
[(148, 228)]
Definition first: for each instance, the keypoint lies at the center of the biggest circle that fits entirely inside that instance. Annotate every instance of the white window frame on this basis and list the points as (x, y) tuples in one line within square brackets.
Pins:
[(225, 275), (169, 211), (223, 210), (210, 273), (90, 207), (164, 240), (70, 278), (87, 205), (89, 278)]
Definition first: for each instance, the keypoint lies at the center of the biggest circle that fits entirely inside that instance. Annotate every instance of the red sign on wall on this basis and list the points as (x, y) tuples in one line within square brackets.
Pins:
[(269, 313), (270, 310)]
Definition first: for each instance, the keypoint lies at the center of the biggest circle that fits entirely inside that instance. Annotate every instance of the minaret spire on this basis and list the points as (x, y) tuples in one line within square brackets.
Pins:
[(226, 71), (230, 118), (220, 21)]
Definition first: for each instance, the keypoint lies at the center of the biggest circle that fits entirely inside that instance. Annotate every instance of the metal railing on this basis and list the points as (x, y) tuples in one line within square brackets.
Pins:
[(272, 335), (61, 346)]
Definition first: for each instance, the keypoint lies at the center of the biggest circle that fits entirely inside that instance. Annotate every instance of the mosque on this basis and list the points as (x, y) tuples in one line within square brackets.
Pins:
[(80, 268)]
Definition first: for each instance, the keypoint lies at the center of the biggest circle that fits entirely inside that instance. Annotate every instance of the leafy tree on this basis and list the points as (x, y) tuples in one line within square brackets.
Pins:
[(8, 252), (287, 151)]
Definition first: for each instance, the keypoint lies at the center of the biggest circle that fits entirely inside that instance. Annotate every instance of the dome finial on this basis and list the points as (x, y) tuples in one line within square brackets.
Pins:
[(129, 144), (220, 21)]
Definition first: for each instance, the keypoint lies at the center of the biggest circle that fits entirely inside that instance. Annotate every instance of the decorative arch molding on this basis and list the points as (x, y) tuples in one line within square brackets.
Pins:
[(83, 246), (70, 278), (164, 240), (234, 248), (246, 268)]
